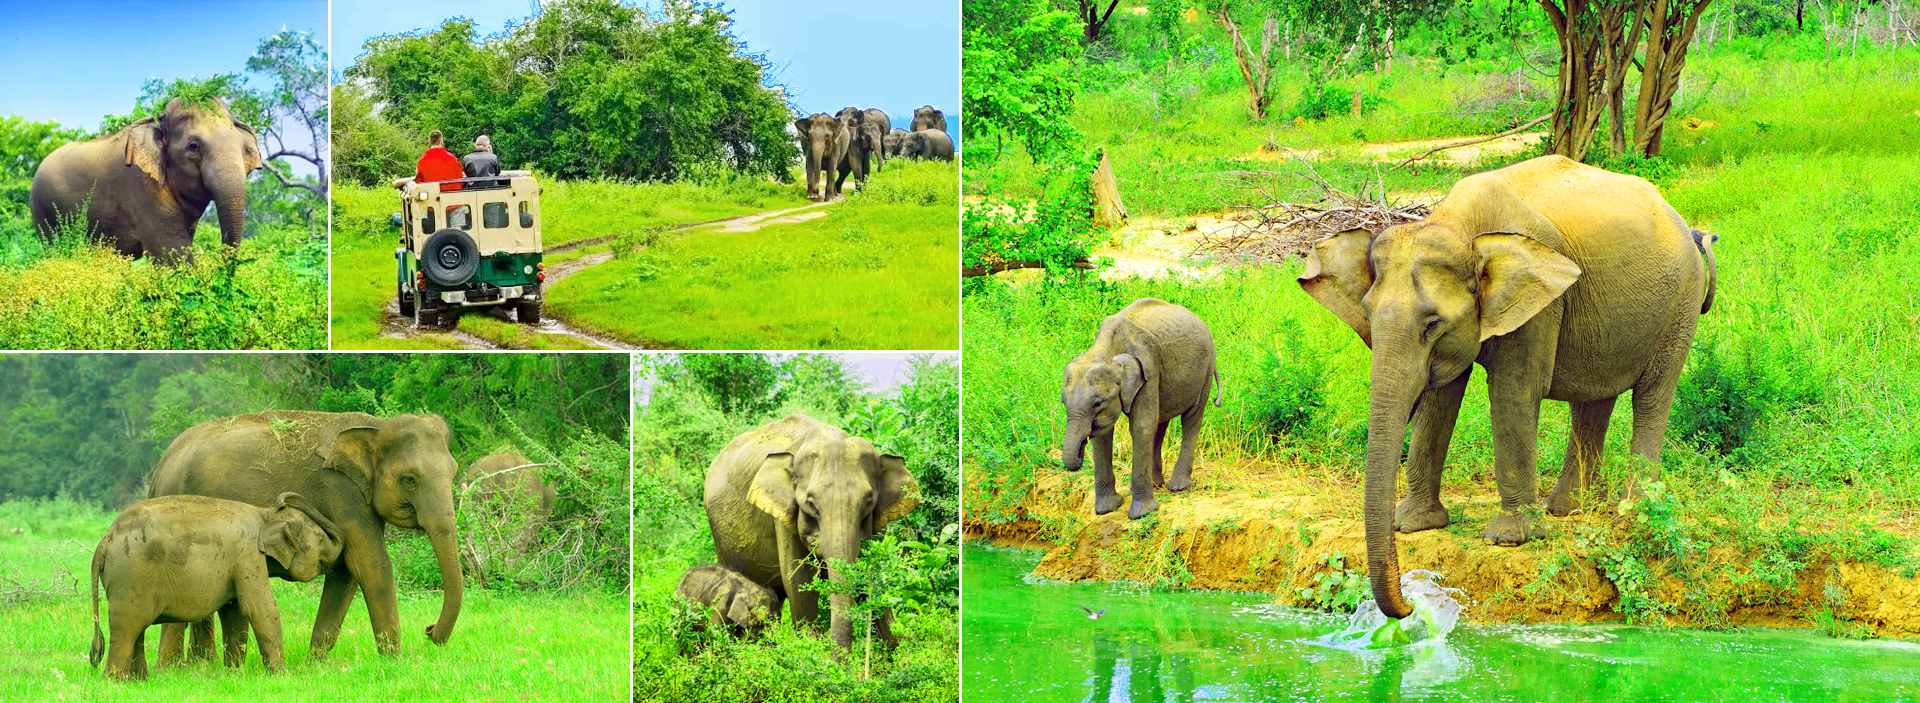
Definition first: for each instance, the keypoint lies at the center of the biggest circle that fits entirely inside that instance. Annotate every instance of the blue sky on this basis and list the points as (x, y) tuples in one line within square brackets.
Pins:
[(74, 61), (892, 55)]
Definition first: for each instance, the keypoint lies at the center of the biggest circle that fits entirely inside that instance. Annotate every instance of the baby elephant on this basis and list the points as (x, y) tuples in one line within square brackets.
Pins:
[(184, 558), (1154, 362), (735, 600)]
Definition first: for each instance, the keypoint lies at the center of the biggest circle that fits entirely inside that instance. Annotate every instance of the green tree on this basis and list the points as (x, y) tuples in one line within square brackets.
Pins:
[(745, 386), (23, 144), (1020, 60), (295, 66)]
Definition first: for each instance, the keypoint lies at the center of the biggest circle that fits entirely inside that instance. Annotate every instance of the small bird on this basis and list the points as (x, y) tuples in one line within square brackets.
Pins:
[(1094, 614)]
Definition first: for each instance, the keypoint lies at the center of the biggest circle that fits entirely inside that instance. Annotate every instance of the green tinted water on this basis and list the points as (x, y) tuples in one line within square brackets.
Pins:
[(1029, 640)]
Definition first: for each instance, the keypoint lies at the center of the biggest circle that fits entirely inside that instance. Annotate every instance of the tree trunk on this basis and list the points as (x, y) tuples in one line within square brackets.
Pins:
[(1672, 24), (1578, 104), (1254, 70), (1093, 20), (1620, 26)]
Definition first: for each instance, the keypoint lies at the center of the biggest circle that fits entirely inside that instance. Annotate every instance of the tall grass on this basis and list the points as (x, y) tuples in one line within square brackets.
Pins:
[(269, 293), (877, 272)]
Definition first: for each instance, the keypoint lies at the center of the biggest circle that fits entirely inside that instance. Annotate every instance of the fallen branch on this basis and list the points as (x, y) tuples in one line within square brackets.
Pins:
[(1470, 142), (1082, 263), (1273, 229)]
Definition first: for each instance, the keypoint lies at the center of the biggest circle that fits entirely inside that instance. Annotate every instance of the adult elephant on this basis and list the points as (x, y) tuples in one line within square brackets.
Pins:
[(874, 127), (1564, 282), (927, 144), (506, 488), (928, 117), (145, 187), (860, 151), (794, 494), (823, 141), (362, 472), (892, 143)]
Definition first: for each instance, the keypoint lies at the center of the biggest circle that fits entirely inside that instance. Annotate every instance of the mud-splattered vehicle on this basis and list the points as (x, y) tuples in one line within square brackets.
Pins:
[(470, 242)]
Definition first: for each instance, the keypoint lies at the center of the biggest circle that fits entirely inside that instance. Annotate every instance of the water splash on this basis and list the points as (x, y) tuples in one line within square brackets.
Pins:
[(1435, 612)]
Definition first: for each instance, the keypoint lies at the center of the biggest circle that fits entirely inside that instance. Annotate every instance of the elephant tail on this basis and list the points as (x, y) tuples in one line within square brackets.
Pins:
[(99, 648), (1217, 392), (1704, 242)]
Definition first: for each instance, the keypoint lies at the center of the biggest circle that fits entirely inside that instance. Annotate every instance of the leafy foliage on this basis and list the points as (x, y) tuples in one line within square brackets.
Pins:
[(1338, 589), (1020, 60), (585, 88), (1287, 395), (1724, 399)]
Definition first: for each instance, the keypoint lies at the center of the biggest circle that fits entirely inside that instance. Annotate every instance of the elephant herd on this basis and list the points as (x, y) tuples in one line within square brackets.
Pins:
[(855, 141), (292, 495), (785, 502), (1562, 281)]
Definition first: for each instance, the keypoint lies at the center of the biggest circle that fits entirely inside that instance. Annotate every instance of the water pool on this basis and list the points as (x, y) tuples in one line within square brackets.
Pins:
[(1032, 641)]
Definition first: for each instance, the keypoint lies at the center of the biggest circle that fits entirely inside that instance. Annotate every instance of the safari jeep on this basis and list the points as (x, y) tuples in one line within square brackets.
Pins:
[(474, 246)]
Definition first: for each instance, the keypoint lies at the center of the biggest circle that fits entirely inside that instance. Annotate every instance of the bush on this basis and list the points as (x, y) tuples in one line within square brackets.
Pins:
[(1288, 393), (1320, 101), (1723, 402)]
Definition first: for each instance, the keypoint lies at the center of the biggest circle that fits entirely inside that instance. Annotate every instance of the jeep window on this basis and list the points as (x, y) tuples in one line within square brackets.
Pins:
[(494, 215), (460, 217), (426, 223), (526, 215)]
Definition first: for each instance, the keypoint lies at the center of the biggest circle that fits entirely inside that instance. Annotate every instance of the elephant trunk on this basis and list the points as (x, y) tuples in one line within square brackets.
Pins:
[(843, 545), (439, 525), (1396, 388), (1072, 451), (230, 201)]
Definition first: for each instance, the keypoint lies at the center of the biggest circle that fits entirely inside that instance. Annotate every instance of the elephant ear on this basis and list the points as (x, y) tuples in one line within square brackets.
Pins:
[(772, 490), (1338, 275), (1519, 276), (277, 540), (352, 451), (146, 143), (253, 155), (1133, 377), (804, 126), (896, 493)]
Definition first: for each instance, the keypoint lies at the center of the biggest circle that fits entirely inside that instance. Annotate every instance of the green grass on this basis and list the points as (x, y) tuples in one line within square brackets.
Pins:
[(1806, 171), (364, 240), (509, 646), (268, 294), (878, 272)]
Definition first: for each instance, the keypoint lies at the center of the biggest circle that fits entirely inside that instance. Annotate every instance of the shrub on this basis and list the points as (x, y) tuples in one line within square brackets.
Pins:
[(1723, 400), (1320, 101), (1288, 393)]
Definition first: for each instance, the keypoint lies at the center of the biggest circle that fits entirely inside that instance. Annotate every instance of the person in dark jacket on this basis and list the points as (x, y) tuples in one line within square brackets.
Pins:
[(481, 162)]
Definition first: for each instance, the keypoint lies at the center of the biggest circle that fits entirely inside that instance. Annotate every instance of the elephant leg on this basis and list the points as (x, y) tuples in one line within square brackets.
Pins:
[(233, 635), (1159, 454), (373, 571), (257, 604), (138, 667), (1434, 417), (1105, 498), (1144, 427), (336, 594), (123, 638), (1516, 438), (1581, 466), (200, 648), (1653, 396), (173, 642), (1190, 424)]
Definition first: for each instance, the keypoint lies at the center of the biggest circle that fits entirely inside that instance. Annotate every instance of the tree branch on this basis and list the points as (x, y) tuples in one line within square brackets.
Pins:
[(1081, 263), (1471, 142), (315, 188)]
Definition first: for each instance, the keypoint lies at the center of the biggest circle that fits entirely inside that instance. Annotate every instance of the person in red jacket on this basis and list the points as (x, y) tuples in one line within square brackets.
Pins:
[(438, 164)]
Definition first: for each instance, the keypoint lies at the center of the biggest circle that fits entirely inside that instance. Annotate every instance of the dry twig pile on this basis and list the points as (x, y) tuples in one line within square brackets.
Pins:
[(1272, 229)]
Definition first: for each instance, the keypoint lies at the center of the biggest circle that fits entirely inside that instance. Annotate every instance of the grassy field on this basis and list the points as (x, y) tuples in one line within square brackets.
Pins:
[(876, 273), (268, 294), (364, 240), (509, 646), (1794, 438)]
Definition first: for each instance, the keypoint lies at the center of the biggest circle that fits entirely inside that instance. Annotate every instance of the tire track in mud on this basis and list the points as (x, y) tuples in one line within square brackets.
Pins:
[(394, 326)]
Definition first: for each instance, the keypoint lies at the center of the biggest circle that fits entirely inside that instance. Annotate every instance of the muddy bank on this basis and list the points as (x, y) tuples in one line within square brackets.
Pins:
[(1271, 530)]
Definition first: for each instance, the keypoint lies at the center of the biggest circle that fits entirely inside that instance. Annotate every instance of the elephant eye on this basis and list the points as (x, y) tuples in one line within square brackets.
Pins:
[(409, 481), (810, 509), (1432, 324)]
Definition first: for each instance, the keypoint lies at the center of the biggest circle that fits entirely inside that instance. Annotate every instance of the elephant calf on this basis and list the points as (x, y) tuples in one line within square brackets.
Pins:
[(181, 559), (735, 600), (1154, 362)]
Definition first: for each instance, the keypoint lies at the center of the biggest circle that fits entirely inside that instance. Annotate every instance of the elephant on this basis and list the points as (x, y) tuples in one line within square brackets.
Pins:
[(1154, 361), (824, 141), (861, 152), (927, 144), (737, 602), (893, 142), (362, 472), (928, 117), (146, 186), (784, 499), (1564, 282), (182, 559), (874, 128), (508, 486)]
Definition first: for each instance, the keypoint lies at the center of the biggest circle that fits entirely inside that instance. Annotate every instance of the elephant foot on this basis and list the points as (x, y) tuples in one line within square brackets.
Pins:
[(1181, 481), (1105, 503), (1509, 529), (1562, 503), (1142, 506), (1416, 517)]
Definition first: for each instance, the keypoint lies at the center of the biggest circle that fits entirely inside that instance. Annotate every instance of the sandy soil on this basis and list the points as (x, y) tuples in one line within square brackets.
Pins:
[(1268, 528)]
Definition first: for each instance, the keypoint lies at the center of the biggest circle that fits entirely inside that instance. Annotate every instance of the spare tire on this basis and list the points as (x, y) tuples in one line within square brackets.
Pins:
[(450, 257)]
